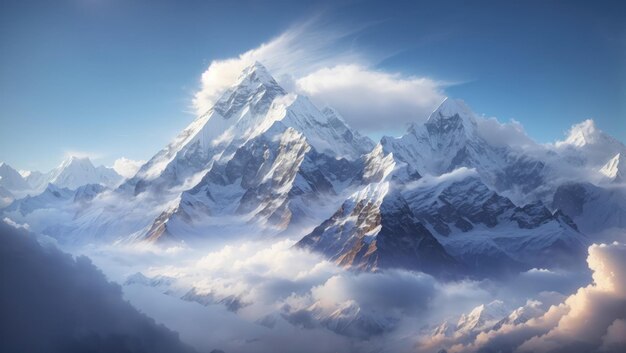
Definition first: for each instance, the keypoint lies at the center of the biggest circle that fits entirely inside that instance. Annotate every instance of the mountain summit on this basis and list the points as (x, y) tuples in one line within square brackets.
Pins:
[(452, 114), (78, 171), (246, 110), (614, 168)]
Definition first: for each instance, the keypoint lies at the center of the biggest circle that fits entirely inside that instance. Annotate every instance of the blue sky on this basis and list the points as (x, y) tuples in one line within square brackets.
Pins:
[(118, 78)]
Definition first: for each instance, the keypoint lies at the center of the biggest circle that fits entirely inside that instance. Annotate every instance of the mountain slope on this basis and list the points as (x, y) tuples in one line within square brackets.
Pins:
[(261, 155), (614, 169), (243, 112), (75, 172), (11, 180), (375, 229), (443, 198), (273, 181), (449, 140), (592, 207), (459, 217)]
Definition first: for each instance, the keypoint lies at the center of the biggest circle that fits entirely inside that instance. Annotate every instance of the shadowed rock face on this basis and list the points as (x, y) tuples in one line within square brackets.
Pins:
[(53, 303), (591, 207), (370, 235), (421, 227), (404, 242)]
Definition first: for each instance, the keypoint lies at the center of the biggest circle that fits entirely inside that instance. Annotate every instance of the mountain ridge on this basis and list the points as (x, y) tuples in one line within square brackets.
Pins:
[(265, 162)]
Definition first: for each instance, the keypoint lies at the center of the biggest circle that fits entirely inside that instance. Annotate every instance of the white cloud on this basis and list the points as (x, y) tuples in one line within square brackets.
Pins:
[(255, 294), (580, 134), (372, 100), (81, 154), (428, 181), (504, 134), (590, 320), (296, 292), (127, 167)]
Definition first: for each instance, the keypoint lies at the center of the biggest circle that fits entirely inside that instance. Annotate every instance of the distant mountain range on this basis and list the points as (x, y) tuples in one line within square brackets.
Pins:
[(262, 161), (74, 172)]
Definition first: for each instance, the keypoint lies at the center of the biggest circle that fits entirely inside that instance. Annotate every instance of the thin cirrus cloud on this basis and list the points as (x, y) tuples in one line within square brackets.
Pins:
[(312, 61), (82, 154)]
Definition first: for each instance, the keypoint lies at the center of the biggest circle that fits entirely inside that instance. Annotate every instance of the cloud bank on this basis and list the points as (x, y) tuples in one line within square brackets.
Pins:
[(51, 302), (373, 100), (510, 134), (276, 298), (127, 167)]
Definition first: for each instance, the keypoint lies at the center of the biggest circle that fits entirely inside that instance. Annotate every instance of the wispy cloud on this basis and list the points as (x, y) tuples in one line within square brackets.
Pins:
[(82, 154), (296, 52), (316, 60)]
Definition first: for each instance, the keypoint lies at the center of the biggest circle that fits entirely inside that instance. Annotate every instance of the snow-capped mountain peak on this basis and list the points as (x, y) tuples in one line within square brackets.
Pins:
[(582, 134), (78, 171), (613, 168), (77, 163), (255, 89), (243, 112), (451, 113), (587, 145), (256, 73), (482, 316), (11, 178)]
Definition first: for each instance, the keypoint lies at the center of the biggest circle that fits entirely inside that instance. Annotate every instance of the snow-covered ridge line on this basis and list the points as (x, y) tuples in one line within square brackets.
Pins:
[(266, 162)]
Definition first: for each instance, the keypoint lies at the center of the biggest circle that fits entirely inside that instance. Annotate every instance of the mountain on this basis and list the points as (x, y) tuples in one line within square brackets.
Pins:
[(450, 139), (422, 207), (434, 224), (614, 169), (374, 228), (481, 317), (47, 199), (531, 309), (586, 145), (72, 173), (75, 172), (593, 208), (36, 180), (281, 159), (274, 181), (52, 211), (442, 198), (243, 112), (11, 180)]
